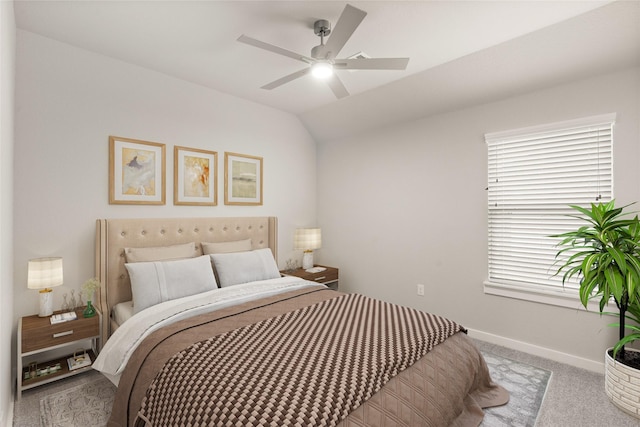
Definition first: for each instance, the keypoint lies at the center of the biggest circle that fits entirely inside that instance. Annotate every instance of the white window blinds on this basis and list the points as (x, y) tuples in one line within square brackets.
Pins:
[(534, 174)]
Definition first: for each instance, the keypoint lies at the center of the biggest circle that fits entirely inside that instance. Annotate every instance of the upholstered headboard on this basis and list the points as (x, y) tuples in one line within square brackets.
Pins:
[(113, 235)]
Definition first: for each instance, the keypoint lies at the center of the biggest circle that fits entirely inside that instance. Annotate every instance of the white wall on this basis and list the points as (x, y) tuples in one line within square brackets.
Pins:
[(68, 101), (7, 67), (407, 205), (398, 206)]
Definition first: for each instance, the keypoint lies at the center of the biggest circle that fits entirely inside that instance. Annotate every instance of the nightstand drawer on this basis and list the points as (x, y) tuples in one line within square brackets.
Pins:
[(39, 333), (328, 275)]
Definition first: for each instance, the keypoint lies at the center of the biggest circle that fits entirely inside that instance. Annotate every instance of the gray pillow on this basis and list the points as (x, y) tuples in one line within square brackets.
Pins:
[(244, 267), (159, 281)]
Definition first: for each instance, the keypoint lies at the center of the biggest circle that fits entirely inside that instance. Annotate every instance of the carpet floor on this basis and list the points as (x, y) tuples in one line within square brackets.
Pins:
[(88, 402)]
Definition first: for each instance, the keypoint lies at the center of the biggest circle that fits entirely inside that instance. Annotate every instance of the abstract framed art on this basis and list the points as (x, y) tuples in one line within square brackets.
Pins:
[(242, 179), (195, 177), (136, 172)]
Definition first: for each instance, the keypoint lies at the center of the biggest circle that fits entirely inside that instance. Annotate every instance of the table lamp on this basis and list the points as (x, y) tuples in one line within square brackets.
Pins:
[(307, 239), (44, 274)]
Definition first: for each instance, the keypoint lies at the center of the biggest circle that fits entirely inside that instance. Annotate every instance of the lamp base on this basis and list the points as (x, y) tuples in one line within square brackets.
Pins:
[(46, 302), (307, 259)]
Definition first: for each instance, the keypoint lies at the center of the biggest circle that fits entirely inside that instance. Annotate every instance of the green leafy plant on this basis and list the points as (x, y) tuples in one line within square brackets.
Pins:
[(605, 256)]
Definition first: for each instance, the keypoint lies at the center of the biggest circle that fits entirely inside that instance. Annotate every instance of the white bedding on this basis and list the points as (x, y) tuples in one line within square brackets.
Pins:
[(122, 312), (116, 352)]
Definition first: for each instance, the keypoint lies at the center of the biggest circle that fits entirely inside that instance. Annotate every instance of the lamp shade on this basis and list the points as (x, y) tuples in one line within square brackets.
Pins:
[(307, 239), (44, 273)]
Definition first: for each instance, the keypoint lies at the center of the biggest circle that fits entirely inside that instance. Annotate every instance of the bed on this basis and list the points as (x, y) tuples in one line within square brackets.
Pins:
[(203, 330)]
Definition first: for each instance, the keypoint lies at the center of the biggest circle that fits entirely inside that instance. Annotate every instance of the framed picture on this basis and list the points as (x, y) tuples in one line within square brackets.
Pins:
[(195, 177), (242, 179), (136, 172)]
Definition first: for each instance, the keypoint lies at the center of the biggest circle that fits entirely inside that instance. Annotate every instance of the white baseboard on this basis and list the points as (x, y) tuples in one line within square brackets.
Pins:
[(547, 353)]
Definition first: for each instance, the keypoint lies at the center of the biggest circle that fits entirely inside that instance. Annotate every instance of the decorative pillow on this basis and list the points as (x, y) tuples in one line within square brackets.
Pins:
[(226, 247), (159, 281), (244, 267), (163, 253)]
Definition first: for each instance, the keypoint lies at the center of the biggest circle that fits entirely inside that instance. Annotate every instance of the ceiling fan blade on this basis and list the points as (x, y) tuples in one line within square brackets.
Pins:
[(286, 79), (371, 64), (349, 20), (337, 87), (275, 49)]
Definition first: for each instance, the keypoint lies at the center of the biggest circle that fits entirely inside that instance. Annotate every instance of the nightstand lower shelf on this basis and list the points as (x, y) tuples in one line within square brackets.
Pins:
[(64, 372)]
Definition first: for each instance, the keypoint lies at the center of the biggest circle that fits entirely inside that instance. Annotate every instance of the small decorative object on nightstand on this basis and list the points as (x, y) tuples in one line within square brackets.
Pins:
[(72, 302), (88, 288), (291, 265), (37, 335), (327, 276), (89, 311)]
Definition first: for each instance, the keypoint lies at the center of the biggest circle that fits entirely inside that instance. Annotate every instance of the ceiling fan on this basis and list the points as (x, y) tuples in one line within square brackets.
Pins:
[(322, 61)]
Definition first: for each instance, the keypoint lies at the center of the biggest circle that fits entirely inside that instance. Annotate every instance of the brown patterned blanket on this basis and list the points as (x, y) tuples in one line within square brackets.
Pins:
[(303, 358)]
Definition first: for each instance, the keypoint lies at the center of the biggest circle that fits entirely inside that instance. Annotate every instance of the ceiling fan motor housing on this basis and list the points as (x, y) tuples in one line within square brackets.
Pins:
[(318, 52)]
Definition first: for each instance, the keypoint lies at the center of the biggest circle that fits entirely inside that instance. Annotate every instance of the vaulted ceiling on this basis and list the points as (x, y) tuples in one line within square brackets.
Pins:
[(461, 52)]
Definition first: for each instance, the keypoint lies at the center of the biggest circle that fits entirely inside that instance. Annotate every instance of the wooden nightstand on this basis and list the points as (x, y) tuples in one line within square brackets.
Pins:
[(37, 335), (328, 277)]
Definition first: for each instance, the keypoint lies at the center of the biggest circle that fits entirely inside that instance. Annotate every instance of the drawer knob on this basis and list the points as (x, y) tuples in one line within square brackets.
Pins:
[(320, 278), (63, 334)]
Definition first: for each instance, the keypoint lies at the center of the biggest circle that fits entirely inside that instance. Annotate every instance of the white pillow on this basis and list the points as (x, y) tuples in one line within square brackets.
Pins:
[(244, 267), (162, 253), (159, 281), (226, 247)]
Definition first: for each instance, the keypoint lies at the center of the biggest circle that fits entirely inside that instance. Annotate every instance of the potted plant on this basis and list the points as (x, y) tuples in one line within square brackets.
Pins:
[(605, 255), (88, 289)]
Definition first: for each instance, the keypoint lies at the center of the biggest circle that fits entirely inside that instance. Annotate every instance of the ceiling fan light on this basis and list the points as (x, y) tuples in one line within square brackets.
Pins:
[(321, 70)]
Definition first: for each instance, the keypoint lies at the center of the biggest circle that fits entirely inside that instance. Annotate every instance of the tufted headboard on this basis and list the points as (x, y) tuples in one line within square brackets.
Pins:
[(113, 235)]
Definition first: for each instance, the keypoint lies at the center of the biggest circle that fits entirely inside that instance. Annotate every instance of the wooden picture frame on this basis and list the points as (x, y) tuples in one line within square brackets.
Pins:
[(137, 172), (195, 177), (242, 179)]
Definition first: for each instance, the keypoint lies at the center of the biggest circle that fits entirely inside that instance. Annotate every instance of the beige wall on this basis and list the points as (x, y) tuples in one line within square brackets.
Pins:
[(407, 205)]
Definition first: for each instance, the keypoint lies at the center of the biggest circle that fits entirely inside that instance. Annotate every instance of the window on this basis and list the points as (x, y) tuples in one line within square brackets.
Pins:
[(534, 175)]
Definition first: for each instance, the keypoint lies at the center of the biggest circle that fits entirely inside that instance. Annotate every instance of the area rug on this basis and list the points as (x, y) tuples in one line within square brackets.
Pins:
[(89, 404), (526, 385)]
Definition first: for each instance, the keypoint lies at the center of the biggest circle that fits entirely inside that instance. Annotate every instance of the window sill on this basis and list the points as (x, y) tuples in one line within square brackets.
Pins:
[(567, 298)]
